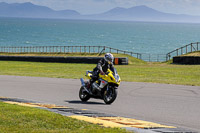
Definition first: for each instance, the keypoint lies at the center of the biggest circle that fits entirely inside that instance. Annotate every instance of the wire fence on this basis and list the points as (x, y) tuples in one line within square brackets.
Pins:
[(100, 50), (66, 49)]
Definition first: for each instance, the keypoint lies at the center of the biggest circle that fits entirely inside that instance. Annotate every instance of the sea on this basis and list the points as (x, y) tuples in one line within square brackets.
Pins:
[(139, 37)]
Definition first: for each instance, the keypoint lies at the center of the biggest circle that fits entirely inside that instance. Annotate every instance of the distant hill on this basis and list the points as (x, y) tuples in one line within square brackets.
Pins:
[(144, 13), (33, 11), (137, 13)]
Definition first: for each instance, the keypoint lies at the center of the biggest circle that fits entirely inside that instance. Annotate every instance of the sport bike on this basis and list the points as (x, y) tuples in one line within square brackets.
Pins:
[(104, 88)]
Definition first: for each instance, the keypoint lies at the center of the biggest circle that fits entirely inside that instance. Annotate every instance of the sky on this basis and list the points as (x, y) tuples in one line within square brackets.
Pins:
[(191, 7)]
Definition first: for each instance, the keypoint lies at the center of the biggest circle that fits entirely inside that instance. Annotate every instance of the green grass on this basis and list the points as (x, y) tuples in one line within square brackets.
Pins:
[(14, 118), (138, 71), (51, 54), (161, 73), (196, 53)]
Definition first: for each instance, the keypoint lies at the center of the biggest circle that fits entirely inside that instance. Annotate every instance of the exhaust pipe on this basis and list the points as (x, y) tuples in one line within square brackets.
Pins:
[(82, 82)]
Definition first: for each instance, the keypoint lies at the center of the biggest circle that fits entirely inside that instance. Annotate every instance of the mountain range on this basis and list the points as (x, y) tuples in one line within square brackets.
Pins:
[(29, 10), (137, 13)]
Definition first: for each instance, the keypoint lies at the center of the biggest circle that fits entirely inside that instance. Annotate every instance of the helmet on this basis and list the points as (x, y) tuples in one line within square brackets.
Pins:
[(109, 58)]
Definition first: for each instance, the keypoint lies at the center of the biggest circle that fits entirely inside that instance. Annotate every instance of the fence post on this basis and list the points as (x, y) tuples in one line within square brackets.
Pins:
[(191, 47), (181, 50), (186, 49), (166, 57), (197, 46), (157, 57)]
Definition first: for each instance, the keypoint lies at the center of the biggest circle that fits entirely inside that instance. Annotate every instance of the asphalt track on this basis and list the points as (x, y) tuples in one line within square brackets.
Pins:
[(173, 105)]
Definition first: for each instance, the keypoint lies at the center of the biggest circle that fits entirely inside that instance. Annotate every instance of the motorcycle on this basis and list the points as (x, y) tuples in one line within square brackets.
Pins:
[(104, 88)]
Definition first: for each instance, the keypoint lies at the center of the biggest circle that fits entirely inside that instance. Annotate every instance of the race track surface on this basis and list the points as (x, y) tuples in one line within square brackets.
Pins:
[(174, 105)]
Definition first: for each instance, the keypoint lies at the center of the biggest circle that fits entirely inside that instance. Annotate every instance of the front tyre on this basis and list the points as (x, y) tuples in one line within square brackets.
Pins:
[(83, 95), (110, 95)]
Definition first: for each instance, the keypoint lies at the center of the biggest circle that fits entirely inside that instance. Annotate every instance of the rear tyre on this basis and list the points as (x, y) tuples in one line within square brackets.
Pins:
[(83, 95), (110, 95)]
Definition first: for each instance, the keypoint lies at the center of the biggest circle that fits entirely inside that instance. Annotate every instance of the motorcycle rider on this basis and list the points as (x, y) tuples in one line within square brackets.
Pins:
[(102, 67)]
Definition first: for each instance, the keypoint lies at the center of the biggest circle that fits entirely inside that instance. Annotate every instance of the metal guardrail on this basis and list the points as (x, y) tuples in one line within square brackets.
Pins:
[(61, 59), (183, 50)]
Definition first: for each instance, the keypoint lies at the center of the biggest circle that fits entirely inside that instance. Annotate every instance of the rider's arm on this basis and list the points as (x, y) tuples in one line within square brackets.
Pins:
[(99, 66), (111, 67)]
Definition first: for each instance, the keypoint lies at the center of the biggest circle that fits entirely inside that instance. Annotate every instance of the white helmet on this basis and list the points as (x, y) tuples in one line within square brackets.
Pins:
[(109, 58)]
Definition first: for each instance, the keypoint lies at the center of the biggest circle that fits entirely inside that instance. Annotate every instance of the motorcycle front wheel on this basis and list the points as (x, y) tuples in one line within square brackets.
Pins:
[(83, 95), (109, 95)]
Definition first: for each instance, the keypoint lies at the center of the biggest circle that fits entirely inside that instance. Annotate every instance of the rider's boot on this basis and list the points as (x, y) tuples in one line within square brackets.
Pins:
[(90, 85)]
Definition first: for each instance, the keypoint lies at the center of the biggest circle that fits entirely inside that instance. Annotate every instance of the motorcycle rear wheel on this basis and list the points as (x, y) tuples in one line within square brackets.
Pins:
[(83, 95), (110, 96)]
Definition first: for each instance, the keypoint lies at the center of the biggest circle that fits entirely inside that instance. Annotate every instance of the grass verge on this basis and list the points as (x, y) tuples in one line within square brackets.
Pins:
[(137, 70), (196, 53), (15, 118)]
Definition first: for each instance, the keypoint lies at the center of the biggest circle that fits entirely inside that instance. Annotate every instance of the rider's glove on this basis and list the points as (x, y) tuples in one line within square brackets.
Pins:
[(102, 73)]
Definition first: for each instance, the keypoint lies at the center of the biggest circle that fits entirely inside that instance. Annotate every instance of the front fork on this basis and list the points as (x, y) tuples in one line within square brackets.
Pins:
[(109, 90)]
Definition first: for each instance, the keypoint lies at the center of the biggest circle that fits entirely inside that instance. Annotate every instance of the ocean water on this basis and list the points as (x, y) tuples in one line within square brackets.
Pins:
[(140, 37)]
